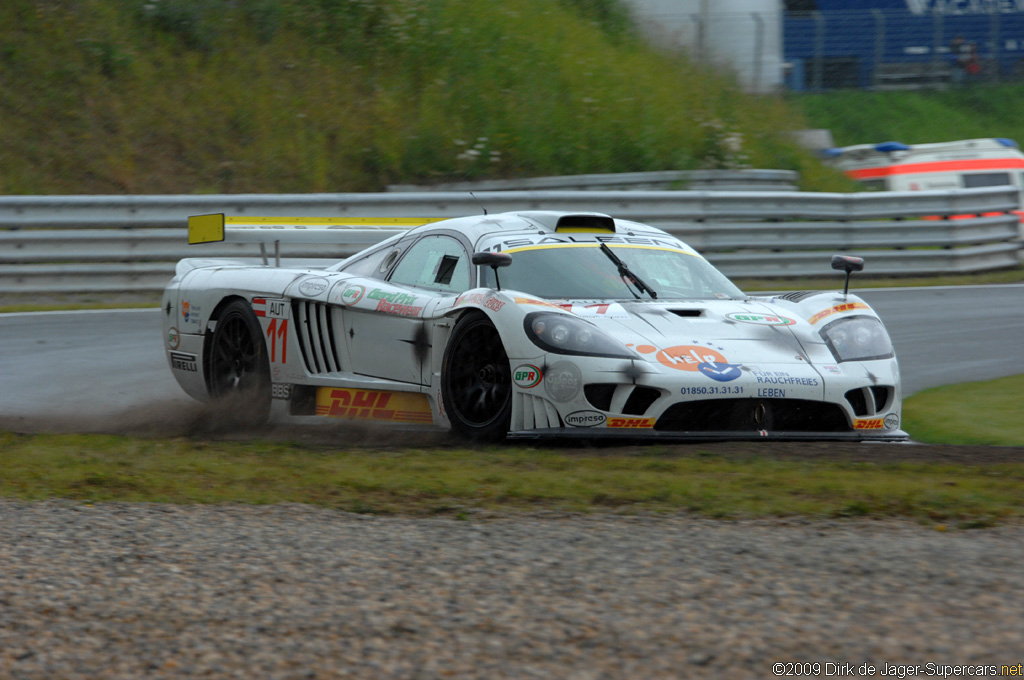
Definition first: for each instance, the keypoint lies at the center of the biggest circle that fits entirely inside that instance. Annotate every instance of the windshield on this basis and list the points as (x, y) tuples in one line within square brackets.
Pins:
[(582, 271)]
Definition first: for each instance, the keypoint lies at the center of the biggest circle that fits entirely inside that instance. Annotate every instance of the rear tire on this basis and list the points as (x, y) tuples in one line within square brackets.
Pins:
[(476, 382), (239, 370)]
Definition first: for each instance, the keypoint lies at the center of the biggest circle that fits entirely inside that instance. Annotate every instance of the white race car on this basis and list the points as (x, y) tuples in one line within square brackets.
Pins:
[(525, 324)]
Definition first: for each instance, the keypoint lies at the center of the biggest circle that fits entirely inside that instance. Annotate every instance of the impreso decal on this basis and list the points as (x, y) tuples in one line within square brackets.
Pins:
[(314, 287), (527, 376), (398, 407), (868, 424), (184, 362), (639, 423), (845, 307), (761, 319), (585, 419), (173, 339)]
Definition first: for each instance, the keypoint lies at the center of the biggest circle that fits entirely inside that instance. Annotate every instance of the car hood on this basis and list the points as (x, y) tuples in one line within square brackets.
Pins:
[(714, 335)]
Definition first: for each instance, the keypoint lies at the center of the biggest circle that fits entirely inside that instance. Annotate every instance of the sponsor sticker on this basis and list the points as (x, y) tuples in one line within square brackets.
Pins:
[(868, 424), (563, 381), (314, 286), (761, 319), (400, 304), (639, 423), (190, 312), (892, 421), (184, 362), (270, 309), (482, 299), (173, 339), (353, 294), (585, 419), (527, 376), (397, 407), (846, 307), (701, 359)]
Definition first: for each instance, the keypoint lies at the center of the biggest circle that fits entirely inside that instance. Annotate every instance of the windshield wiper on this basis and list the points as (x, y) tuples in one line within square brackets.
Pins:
[(625, 272)]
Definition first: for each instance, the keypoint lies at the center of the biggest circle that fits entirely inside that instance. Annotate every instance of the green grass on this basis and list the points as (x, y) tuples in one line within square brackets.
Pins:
[(985, 413), (454, 481), (695, 479), (281, 96), (915, 117)]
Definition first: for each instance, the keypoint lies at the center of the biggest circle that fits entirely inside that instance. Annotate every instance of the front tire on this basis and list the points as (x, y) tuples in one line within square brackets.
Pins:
[(239, 371), (476, 382)]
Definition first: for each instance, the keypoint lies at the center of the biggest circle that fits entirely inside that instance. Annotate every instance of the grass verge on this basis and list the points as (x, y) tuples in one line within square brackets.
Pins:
[(456, 481), (979, 413)]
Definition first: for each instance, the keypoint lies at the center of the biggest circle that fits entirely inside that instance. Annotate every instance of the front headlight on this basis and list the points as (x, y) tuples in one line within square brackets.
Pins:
[(857, 338), (564, 334)]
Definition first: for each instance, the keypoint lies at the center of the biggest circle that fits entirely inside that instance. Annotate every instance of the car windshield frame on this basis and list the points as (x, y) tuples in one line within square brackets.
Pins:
[(581, 271)]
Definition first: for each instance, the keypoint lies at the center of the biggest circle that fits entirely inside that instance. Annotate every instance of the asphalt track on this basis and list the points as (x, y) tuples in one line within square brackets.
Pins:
[(79, 368)]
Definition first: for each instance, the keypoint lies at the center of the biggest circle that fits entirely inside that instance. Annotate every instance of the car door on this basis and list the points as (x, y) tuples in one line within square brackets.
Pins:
[(386, 334)]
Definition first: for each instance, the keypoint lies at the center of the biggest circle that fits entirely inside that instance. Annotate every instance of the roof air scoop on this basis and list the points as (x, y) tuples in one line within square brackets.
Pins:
[(585, 222)]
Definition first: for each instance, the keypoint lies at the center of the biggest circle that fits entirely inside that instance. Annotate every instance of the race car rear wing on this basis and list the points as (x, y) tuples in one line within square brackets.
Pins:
[(265, 231)]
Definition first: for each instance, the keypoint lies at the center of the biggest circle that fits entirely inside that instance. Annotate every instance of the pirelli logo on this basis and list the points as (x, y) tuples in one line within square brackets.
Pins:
[(397, 407), (631, 422)]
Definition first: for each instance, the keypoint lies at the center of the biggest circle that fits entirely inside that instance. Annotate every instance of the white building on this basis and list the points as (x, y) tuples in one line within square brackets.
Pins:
[(744, 36)]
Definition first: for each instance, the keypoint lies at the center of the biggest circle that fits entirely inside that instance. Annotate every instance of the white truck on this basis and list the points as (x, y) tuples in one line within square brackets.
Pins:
[(964, 164)]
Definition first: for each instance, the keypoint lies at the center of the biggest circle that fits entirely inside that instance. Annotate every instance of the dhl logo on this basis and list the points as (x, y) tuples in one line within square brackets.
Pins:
[(398, 407), (631, 422), (838, 309), (869, 424)]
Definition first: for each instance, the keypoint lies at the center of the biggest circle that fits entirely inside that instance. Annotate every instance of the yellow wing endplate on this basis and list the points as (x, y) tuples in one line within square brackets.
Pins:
[(206, 228)]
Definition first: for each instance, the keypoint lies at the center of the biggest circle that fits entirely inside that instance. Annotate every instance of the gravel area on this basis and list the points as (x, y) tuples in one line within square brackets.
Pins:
[(290, 591)]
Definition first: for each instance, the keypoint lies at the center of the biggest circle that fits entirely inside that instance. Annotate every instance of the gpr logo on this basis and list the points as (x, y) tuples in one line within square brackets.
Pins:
[(353, 294), (527, 376)]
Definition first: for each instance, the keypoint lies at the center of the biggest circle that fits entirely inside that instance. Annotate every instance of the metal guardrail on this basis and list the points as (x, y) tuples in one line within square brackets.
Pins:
[(116, 243), (692, 180)]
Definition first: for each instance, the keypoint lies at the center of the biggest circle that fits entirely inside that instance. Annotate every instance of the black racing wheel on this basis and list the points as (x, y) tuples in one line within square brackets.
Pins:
[(476, 382), (239, 371)]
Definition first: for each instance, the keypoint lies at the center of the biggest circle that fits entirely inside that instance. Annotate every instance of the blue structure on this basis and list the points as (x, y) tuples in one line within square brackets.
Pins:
[(892, 43)]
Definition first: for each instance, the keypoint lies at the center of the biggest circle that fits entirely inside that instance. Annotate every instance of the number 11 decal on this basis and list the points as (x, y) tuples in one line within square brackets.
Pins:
[(275, 331)]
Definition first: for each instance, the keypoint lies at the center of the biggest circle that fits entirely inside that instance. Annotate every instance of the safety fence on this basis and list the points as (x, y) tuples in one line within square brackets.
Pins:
[(63, 244)]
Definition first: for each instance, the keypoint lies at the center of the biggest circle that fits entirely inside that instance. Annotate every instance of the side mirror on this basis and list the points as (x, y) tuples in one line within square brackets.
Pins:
[(845, 263), (492, 260), (848, 264)]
